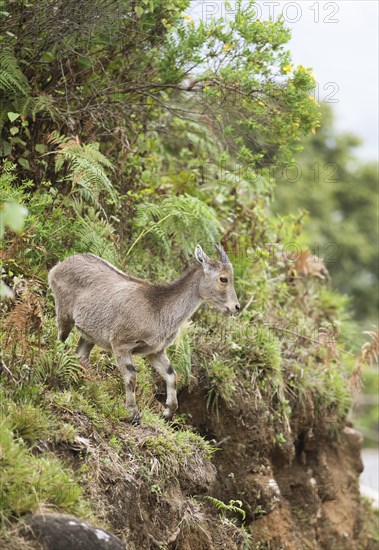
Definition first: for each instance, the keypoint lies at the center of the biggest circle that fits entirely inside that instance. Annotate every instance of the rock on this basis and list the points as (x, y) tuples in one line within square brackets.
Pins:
[(64, 532)]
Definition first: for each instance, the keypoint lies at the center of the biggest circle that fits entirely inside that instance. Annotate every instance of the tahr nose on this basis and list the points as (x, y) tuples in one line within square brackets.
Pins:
[(238, 309)]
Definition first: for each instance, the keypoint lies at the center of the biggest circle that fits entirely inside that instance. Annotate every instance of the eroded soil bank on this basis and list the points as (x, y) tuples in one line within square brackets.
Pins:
[(302, 493)]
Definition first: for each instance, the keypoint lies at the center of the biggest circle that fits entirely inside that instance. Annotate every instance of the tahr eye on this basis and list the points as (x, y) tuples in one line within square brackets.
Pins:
[(223, 279)]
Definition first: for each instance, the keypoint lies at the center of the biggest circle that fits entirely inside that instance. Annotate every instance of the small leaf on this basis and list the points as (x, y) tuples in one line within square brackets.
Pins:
[(5, 149), (18, 141), (13, 116), (14, 130), (85, 62), (138, 10), (40, 148), (24, 163), (47, 56)]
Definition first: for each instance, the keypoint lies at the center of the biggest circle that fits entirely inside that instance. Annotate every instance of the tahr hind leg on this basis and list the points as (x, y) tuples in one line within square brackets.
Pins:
[(129, 374), (84, 350), (65, 326)]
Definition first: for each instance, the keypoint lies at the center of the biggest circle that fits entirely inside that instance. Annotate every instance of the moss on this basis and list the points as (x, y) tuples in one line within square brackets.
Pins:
[(169, 444), (29, 482)]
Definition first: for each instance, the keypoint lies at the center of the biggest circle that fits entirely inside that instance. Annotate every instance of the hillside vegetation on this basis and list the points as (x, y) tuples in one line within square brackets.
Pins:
[(130, 132)]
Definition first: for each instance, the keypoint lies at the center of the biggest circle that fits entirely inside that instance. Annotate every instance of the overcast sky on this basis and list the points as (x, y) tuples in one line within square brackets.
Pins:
[(339, 40)]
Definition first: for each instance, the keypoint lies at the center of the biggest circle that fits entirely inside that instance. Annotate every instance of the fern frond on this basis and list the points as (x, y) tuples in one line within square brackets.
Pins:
[(12, 78), (86, 166), (26, 316), (55, 138), (14, 86), (234, 506), (179, 219), (199, 136), (59, 365), (180, 356), (95, 235)]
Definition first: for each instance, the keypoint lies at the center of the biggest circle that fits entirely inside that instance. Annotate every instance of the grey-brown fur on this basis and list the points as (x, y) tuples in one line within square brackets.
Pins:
[(128, 316)]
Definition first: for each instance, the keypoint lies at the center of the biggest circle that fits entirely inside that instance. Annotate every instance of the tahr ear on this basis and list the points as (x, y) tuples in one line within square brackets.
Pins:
[(201, 257)]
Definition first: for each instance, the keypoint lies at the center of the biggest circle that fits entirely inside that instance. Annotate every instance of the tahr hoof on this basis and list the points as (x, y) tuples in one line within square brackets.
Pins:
[(168, 414), (135, 418), (85, 363)]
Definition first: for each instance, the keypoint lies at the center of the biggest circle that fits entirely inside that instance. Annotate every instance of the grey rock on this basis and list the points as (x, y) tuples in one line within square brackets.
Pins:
[(64, 532)]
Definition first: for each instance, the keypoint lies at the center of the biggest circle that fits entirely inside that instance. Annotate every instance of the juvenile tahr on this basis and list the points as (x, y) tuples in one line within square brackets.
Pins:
[(128, 316)]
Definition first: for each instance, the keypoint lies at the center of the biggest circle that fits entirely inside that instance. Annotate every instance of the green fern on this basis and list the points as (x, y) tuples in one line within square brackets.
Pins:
[(94, 234), (86, 168), (182, 220), (14, 86), (180, 356), (12, 78), (234, 506), (58, 366)]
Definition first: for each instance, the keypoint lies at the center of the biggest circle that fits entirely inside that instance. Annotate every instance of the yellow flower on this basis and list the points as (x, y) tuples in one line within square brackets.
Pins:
[(187, 17), (312, 98), (287, 69), (228, 47)]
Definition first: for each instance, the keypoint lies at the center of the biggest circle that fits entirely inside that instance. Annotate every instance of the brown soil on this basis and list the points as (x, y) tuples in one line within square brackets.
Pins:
[(302, 494)]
